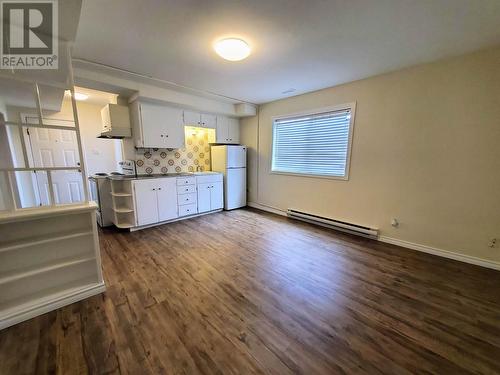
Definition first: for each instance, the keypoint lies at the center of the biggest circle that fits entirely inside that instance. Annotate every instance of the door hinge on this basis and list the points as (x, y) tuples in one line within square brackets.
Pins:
[(27, 131)]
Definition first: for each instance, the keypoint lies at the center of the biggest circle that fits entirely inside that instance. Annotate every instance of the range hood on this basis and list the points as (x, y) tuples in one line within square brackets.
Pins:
[(115, 122), (115, 133)]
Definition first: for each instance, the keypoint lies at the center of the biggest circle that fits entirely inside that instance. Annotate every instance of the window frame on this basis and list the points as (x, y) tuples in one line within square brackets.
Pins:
[(351, 106)]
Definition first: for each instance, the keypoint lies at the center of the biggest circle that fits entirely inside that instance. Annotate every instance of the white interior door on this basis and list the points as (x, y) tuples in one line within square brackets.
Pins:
[(55, 148)]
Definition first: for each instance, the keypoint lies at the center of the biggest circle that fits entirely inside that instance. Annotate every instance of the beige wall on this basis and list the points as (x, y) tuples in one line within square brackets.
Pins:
[(426, 150), (101, 155)]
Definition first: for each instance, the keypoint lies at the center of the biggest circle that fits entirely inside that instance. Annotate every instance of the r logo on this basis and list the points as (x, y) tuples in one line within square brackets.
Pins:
[(29, 34), (27, 28)]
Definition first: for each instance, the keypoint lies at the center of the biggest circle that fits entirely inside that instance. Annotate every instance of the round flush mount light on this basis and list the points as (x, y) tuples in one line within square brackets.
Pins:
[(232, 49), (80, 96)]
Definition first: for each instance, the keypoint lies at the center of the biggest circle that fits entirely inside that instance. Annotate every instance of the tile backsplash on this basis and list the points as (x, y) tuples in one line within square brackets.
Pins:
[(161, 161)]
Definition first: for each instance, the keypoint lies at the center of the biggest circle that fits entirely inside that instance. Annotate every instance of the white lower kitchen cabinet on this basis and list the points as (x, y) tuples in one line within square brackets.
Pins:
[(204, 197), (163, 199), (217, 196), (145, 202), (167, 202), (210, 192), (155, 200)]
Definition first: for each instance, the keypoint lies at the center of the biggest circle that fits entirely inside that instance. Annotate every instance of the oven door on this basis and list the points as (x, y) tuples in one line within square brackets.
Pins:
[(94, 192)]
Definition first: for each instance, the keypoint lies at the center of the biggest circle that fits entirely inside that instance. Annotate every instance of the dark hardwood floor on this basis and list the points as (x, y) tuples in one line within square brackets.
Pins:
[(245, 292)]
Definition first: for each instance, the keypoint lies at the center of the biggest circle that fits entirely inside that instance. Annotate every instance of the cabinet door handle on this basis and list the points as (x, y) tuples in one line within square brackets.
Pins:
[(159, 188), (187, 189), (154, 189)]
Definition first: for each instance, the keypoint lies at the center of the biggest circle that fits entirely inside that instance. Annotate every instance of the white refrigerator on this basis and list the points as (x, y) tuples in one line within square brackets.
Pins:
[(232, 162)]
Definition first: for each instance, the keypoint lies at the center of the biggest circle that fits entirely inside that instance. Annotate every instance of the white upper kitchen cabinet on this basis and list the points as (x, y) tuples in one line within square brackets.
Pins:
[(228, 130), (167, 198), (203, 120), (157, 126)]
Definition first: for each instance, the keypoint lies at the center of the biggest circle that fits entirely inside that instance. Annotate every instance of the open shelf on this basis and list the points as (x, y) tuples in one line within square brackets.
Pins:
[(18, 274), (123, 204), (121, 194), (122, 210), (121, 187), (124, 225), (42, 239), (28, 303)]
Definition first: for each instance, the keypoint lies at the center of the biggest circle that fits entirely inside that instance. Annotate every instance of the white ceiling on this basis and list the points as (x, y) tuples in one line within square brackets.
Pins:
[(21, 94), (96, 96), (69, 14), (305, 45)]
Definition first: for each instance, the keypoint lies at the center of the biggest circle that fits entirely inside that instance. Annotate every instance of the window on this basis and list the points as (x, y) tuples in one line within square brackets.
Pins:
[(314, 144)]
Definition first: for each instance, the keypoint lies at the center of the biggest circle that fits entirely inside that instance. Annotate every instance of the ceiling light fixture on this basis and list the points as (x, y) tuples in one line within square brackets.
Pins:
[(80, 96), (232, 49)]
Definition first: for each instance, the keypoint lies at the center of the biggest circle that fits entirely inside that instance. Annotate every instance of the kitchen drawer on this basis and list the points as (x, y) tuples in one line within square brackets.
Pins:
[(183, 199), (209, 178), (186, 181), (188, 209), (186, 189)]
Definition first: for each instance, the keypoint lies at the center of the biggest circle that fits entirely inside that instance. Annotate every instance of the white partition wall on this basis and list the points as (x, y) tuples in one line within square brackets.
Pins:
[(49, 249)]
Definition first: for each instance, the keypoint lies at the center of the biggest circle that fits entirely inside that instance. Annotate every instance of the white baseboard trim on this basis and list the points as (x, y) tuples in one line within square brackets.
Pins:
[(133, 229), (262, 207), (50, 304), (442, 253), (409, 245)]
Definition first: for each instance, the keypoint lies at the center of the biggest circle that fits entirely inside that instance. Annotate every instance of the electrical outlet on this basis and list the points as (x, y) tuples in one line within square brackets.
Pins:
[(395, 223), (493, 243)]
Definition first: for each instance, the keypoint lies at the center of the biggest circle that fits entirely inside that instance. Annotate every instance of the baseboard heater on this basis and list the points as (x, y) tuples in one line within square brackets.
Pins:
[(333, 224)]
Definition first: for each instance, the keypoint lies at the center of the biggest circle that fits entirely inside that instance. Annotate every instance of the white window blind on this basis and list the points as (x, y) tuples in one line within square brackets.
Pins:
[(314, 144)]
